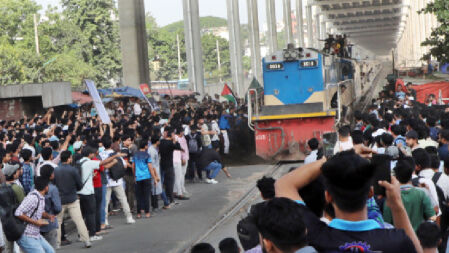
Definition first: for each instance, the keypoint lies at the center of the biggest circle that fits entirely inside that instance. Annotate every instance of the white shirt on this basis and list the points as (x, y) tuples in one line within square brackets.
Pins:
[(39, 166), (443, 181), (343, 146), (215, 128), (31, 148), (432, 190), (311, 157), (427, 143), (104, 155), (87, 171), (137, 109)]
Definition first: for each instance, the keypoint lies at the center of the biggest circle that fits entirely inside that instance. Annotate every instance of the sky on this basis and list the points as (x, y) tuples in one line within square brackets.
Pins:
[(169, 11)]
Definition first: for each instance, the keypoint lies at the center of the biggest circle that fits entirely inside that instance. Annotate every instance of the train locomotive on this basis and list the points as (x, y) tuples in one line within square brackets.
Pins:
[(295, 103)]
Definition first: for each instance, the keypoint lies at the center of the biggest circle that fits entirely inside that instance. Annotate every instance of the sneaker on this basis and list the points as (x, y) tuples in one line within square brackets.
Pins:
[(211, 181), (87, 244), (96, 238), (183, 198), (65, 242), (130, 220)]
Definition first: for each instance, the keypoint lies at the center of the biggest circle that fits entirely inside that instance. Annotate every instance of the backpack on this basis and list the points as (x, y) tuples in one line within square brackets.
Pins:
[(193, 144), (440, 193), (117, 170), (13, 227)]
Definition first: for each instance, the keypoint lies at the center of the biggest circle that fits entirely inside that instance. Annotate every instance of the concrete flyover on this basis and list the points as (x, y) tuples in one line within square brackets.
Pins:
[(375, 25)]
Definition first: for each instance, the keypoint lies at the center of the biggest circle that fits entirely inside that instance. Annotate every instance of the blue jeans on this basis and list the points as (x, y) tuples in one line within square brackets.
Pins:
[(103, 204), (163, 195), (34, 245), (214, 168)]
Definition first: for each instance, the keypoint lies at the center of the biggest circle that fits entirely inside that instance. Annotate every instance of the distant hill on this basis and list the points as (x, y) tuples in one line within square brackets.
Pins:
[(205, 22)]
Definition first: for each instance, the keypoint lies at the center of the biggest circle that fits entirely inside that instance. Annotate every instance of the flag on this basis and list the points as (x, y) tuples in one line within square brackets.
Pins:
[(97, 101), (146, 92), (228, 94)]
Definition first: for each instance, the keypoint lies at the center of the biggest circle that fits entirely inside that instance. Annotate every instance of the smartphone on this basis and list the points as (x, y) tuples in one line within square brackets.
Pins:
[(382, 164), (329, 141)]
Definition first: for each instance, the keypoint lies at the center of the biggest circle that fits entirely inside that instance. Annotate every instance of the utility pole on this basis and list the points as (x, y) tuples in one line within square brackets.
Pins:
[(219, 60), (36, 35), (179, 58)]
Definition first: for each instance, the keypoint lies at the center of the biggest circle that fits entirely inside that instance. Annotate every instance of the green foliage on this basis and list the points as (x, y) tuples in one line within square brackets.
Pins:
[(210, 56), (80, 42), (205, 22), (439, 39)]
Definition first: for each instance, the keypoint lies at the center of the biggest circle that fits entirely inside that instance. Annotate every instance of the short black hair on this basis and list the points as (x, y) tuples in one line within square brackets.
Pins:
[(348, 179), (46, 171), (65, 155), (89, 150), (154, 139), (429, 235), (313, 143), (404, 169), (280, 221), (228, 245), (40, 183), (107, 142), (26, 154), (344, 131), (266, 187), (143, 144), (202, 248), (46, 153), (357, 136), (421, 158), (313, 195), (387, 139)]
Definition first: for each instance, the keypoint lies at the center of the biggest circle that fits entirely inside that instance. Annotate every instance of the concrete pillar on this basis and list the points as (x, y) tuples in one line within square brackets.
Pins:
[(133, 41), (271, 25), (323, 29), (235, 46), (193, 45), (287, 4), (300, 23), (309, 24), (254, 40), (318, 31)]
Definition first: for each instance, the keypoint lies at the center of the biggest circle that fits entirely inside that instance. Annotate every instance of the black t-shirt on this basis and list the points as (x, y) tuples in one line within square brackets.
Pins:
[(166, 148), (343, 236)]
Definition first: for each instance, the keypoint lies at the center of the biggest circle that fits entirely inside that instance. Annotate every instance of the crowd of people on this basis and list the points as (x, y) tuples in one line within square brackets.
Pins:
[(384, 188), (338, 45), (67, 163)]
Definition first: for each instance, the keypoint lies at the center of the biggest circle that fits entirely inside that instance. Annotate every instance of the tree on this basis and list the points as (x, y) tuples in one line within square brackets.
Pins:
[(210, 56), (98, 23), (439, 38)]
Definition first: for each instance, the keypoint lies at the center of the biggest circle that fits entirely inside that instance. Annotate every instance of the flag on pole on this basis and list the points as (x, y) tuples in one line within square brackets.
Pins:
[(228, 94), (146, 92)]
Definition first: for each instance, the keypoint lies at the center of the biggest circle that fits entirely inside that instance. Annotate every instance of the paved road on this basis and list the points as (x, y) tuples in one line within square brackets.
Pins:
[(170, 231), (228, 228)]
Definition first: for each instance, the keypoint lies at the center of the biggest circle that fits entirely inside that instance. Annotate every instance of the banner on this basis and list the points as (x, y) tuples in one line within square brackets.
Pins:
[(146, 92), (424, 90), (97, 102)]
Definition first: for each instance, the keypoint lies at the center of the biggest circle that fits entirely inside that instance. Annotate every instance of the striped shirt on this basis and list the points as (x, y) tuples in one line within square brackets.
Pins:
[(32, 206)]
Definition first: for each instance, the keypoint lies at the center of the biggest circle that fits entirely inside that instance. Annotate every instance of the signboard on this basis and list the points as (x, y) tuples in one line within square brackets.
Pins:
[(97, 102), (309, 64), (275, 66), (146, 92)]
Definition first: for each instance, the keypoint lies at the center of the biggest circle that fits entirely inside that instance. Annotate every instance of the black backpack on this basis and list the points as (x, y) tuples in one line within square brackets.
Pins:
[(117, 170), (442, 202), (13, 227)]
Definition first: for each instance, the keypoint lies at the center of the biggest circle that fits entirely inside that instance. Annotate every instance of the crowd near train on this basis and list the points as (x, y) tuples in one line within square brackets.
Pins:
[(374, 176)]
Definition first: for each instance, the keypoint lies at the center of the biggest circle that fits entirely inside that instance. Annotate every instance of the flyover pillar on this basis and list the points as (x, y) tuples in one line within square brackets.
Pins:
[(193, 45), (287, 4), (300, 23), (271, 24), (254, 40), (134, 45), (309, 24), (235, 46)]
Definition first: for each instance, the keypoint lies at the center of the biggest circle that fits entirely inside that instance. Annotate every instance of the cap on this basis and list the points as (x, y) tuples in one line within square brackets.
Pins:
[(77, 145), (412, 134), (10, 169)]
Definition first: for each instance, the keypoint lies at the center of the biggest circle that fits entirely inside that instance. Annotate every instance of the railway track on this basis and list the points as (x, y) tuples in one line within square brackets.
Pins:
[(275, 171)]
